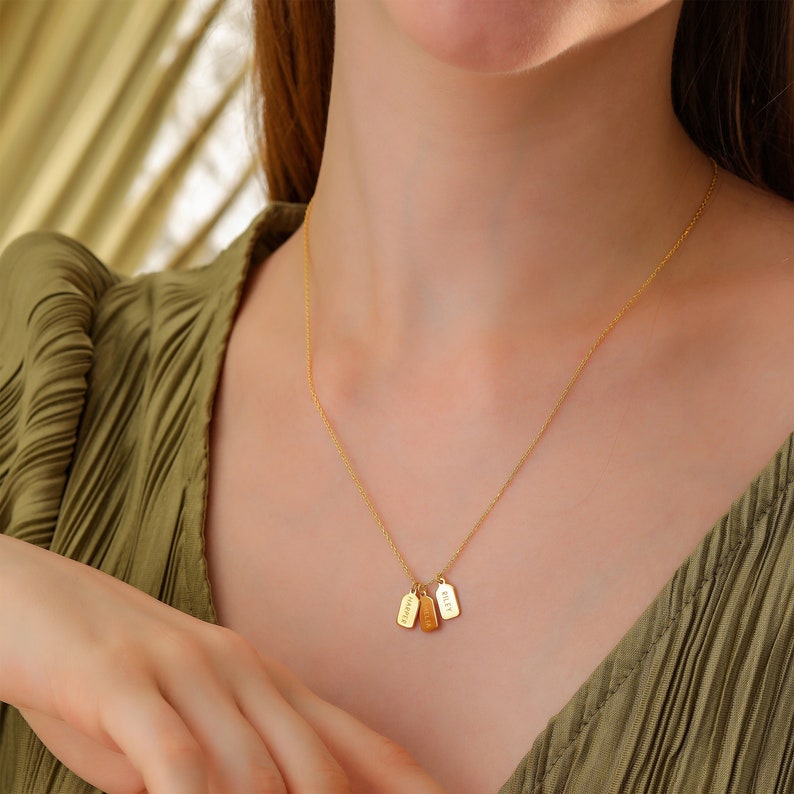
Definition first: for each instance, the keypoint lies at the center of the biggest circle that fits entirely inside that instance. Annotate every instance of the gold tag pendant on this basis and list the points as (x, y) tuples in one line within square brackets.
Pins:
[(409, 606), (427, 614), (448, 606)]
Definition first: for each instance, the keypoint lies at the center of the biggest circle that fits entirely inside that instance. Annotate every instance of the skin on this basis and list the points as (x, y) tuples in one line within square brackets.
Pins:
[(476, 224), (487, 201), (143, 698)]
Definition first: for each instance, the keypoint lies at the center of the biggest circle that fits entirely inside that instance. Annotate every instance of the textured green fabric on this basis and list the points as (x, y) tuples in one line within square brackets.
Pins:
[(106, 390)]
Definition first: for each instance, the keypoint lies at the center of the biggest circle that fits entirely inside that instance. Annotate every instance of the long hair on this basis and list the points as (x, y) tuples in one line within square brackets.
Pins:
[(733, 69), (732, 88), (293, 59)]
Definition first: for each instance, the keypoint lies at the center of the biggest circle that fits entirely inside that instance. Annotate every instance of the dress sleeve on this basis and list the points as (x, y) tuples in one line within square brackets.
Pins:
[(50, 286)]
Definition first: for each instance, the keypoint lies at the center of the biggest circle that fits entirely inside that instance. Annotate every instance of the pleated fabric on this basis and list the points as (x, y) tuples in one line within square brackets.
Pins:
[(106, 393), (698, 696)]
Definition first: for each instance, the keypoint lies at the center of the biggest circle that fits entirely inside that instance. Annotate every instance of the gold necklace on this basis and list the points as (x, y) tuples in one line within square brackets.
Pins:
[(416, 601)]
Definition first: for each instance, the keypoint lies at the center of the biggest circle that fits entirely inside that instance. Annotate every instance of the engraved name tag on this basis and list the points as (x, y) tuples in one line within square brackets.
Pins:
[(447, 601), (427, 614), (409, 606)]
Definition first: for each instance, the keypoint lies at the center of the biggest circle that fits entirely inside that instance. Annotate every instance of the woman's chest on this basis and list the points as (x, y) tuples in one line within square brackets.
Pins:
[(645, 457), (554, 578), (315, 585)]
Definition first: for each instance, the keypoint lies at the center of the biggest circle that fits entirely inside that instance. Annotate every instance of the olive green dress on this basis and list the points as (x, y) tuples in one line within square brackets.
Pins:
[(106, 391)]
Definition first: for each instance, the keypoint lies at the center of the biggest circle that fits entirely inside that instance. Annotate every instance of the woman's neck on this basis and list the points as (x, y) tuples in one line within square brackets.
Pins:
[(454, 206)]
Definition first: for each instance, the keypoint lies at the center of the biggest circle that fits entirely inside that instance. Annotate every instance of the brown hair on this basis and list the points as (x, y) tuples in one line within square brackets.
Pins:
[(293, 56), (733, 69)]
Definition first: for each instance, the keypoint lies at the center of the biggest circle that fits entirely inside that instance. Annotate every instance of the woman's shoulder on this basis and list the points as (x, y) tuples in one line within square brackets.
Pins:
[(47, 279), (64, 312), (49, 273), (50, 286), (90, 359)]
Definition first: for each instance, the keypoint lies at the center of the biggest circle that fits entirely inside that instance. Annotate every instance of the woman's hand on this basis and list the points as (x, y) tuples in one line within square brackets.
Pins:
[(136, 696)]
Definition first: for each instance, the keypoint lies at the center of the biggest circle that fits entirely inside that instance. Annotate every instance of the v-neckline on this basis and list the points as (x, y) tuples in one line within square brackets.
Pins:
[(703, 565), (714, 550)]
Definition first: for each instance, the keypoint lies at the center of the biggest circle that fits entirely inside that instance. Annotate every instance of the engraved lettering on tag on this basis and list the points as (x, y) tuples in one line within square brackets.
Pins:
[(409, 606), (427, 614), (448, 606)]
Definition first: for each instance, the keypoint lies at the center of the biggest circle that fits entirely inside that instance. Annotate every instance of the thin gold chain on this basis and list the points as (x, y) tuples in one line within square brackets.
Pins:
[(416, 584)]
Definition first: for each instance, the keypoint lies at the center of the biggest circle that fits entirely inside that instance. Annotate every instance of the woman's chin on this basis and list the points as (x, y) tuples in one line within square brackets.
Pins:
[(509, 36)]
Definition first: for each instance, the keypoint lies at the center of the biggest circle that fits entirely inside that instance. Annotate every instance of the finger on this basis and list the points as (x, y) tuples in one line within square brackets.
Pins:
[(156, 741), (304, 761), (373, 762), (238, 757), (248, 736)]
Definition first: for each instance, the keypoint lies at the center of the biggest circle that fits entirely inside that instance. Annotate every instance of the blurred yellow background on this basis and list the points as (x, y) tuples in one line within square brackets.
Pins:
[(125, 124)]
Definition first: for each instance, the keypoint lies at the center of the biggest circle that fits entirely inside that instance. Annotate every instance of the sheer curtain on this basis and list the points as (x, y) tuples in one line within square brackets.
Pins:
[(124, 123)]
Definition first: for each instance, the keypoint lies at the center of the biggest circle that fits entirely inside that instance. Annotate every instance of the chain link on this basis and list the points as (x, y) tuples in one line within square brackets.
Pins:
[(416, 584)]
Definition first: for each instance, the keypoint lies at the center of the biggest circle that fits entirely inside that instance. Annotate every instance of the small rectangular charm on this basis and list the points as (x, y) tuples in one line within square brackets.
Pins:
[(427, 614), (448, 606), (409, 606)]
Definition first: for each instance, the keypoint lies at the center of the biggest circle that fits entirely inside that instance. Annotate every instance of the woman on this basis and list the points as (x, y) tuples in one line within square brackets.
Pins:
[(497, 180)]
